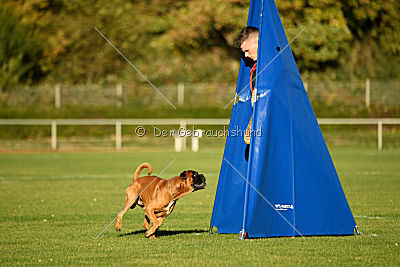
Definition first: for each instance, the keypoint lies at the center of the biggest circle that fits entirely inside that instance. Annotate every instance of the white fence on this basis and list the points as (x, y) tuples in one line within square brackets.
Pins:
[(383, 91), (349, 93), (379, 122)]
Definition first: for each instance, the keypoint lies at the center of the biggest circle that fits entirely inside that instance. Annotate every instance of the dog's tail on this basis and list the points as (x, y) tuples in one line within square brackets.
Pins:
[(139, 169)]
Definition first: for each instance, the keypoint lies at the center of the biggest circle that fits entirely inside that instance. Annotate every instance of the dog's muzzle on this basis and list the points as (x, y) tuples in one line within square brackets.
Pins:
[(199, 182)]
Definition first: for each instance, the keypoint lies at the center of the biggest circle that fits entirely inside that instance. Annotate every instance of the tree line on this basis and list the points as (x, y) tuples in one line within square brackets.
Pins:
[(172, 41)]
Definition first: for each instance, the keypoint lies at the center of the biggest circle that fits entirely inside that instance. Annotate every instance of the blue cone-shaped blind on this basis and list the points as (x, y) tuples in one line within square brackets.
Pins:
[(292, 187)]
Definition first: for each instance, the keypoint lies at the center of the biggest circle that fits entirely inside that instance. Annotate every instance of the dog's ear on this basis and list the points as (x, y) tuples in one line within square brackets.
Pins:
[(183, 175)]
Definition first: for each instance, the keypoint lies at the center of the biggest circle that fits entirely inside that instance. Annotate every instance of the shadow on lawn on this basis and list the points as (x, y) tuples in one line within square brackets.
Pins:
[(166, 233)]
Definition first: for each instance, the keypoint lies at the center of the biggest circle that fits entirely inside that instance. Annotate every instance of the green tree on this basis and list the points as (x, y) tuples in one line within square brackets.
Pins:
[(209, 28), (375, 27), (188, 40), (20, 50), (326, 35)]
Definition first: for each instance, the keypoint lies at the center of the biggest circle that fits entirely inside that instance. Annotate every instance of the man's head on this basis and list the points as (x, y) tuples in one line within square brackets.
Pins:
[(247, 41)]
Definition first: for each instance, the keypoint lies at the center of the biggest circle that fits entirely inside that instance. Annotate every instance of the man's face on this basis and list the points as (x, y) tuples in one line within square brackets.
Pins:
[(250, 46)]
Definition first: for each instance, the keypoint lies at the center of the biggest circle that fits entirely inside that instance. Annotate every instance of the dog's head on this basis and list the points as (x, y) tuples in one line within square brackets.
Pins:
[(196, 180)]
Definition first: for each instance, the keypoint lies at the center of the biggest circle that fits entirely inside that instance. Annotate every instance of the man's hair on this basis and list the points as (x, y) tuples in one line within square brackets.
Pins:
[(244, 34)]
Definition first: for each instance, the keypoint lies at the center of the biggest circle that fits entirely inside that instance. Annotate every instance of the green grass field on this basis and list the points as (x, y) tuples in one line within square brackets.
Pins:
[(54, 204)]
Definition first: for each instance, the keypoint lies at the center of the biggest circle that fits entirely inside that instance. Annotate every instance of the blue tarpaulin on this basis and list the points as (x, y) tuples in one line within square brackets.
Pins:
[(284, 183)]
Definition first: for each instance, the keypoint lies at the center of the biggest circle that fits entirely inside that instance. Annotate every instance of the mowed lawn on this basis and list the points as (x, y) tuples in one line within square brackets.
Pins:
[(52, 206)]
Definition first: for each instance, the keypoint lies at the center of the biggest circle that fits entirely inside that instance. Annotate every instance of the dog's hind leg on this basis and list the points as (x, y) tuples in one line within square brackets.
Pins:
[(130, 200), (150, 214), (146, 223)]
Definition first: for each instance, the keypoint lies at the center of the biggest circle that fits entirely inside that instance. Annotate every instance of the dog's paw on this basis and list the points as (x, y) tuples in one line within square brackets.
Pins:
[(152, 237), (149, 234)]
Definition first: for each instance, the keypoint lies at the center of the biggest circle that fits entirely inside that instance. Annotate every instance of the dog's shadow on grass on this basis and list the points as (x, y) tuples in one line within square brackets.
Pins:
[(160, 233)]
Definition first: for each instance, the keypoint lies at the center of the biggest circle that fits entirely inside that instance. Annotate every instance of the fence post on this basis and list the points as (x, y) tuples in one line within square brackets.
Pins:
[(183, 138), (380, 135), (195, 139), (53, 135), (118, 93), (57, 96), (178, 143), (118, 137), (181, 93), (367, 92)]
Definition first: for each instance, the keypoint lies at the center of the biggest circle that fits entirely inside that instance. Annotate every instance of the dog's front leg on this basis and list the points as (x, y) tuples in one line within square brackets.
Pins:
[(150, 214), (162, 215)]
